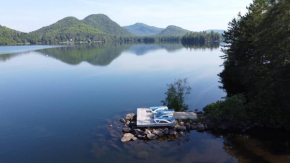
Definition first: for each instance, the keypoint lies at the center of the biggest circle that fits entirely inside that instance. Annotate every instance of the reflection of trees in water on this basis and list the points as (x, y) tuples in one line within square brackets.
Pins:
[(102, 54), (201, 46), (258, 146), (187, 148), (142, 49), (95, 54)]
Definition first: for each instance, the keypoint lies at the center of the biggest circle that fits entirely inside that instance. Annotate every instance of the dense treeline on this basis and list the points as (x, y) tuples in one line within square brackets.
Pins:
[(257, 70), (9, 36), (201, 38)]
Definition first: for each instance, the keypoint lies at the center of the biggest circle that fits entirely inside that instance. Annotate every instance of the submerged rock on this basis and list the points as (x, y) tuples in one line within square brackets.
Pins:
[(127, 137), (126, 130), (142, 155), (122, 120)]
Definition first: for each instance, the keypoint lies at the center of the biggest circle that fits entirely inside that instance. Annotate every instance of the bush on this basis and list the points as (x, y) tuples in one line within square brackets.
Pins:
[(231, 109), (176, 94)]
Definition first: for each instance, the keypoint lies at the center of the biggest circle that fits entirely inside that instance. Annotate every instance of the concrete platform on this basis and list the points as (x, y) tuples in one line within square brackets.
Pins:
[(145, 118), (184, 115)]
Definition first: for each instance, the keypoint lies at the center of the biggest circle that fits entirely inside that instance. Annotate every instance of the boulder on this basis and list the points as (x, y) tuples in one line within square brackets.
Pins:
[(142, 155), (130, 116), (171, 132), (187, 125), (134, 138), (181, 123), (152, 136), (122, 120), (181, 133), (143, 137), (147, 131), (158, 132), (200, 127), (126, 130), (180, 128), (166, 131), (193, 126), (127, 137)]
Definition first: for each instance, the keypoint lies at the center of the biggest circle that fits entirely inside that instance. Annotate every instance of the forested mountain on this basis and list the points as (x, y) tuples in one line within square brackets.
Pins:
[(10, 36), (140, 29), (67, 29), (173, 31), (97, 27), (105, 24)]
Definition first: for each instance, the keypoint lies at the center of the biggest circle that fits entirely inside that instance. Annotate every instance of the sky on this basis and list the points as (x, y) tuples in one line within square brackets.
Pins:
[(194, 15)]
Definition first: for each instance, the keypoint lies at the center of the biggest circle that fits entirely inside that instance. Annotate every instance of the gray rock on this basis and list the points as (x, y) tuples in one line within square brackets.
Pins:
[(142, 155), (181, 123), (180, 128), (200, 127), (193, 126), (166, 131), (181, 133), (171, 132), (152, 136), (130, 116), (134, 138), (158, 132), (143, 137), (122, 120), (127, 137), (126, 130), (147, 131), (187, 125)]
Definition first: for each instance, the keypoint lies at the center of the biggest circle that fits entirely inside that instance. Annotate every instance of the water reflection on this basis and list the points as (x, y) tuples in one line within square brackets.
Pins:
[(103, 54), (258, 145)]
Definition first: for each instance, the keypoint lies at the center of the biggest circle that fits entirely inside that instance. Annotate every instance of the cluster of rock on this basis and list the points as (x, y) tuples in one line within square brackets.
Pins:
[(131, 132)]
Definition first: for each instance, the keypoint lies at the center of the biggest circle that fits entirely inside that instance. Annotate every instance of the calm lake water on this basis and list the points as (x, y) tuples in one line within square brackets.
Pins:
[(56, 104)]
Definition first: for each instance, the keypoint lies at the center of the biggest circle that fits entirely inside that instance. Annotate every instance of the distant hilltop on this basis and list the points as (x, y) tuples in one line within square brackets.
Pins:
[(96, 27)]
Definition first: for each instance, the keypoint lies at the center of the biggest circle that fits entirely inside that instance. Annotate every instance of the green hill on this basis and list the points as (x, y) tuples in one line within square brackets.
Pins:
[(67, 29), (105, 24), (9, 36), (140, 29), (173, 31)]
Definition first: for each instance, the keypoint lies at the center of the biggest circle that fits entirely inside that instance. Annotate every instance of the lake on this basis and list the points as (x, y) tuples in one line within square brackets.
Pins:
[(58, 101)]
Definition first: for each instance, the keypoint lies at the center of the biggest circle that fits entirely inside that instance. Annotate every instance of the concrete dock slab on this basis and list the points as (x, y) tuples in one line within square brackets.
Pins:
[(184, 115)]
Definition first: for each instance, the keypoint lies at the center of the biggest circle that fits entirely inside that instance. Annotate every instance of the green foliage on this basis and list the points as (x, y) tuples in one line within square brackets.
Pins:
[(9, 36), (140, 29), (231, 109), (105, 24), (65, 30), (176, 94), (173, 31), (257, 61), (200, 38)]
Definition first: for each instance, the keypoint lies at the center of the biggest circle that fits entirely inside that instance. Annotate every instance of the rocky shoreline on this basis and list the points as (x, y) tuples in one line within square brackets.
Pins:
[(132, 133)]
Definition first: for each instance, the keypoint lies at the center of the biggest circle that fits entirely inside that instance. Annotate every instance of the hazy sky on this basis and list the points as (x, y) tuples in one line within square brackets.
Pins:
[(195, 15)]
